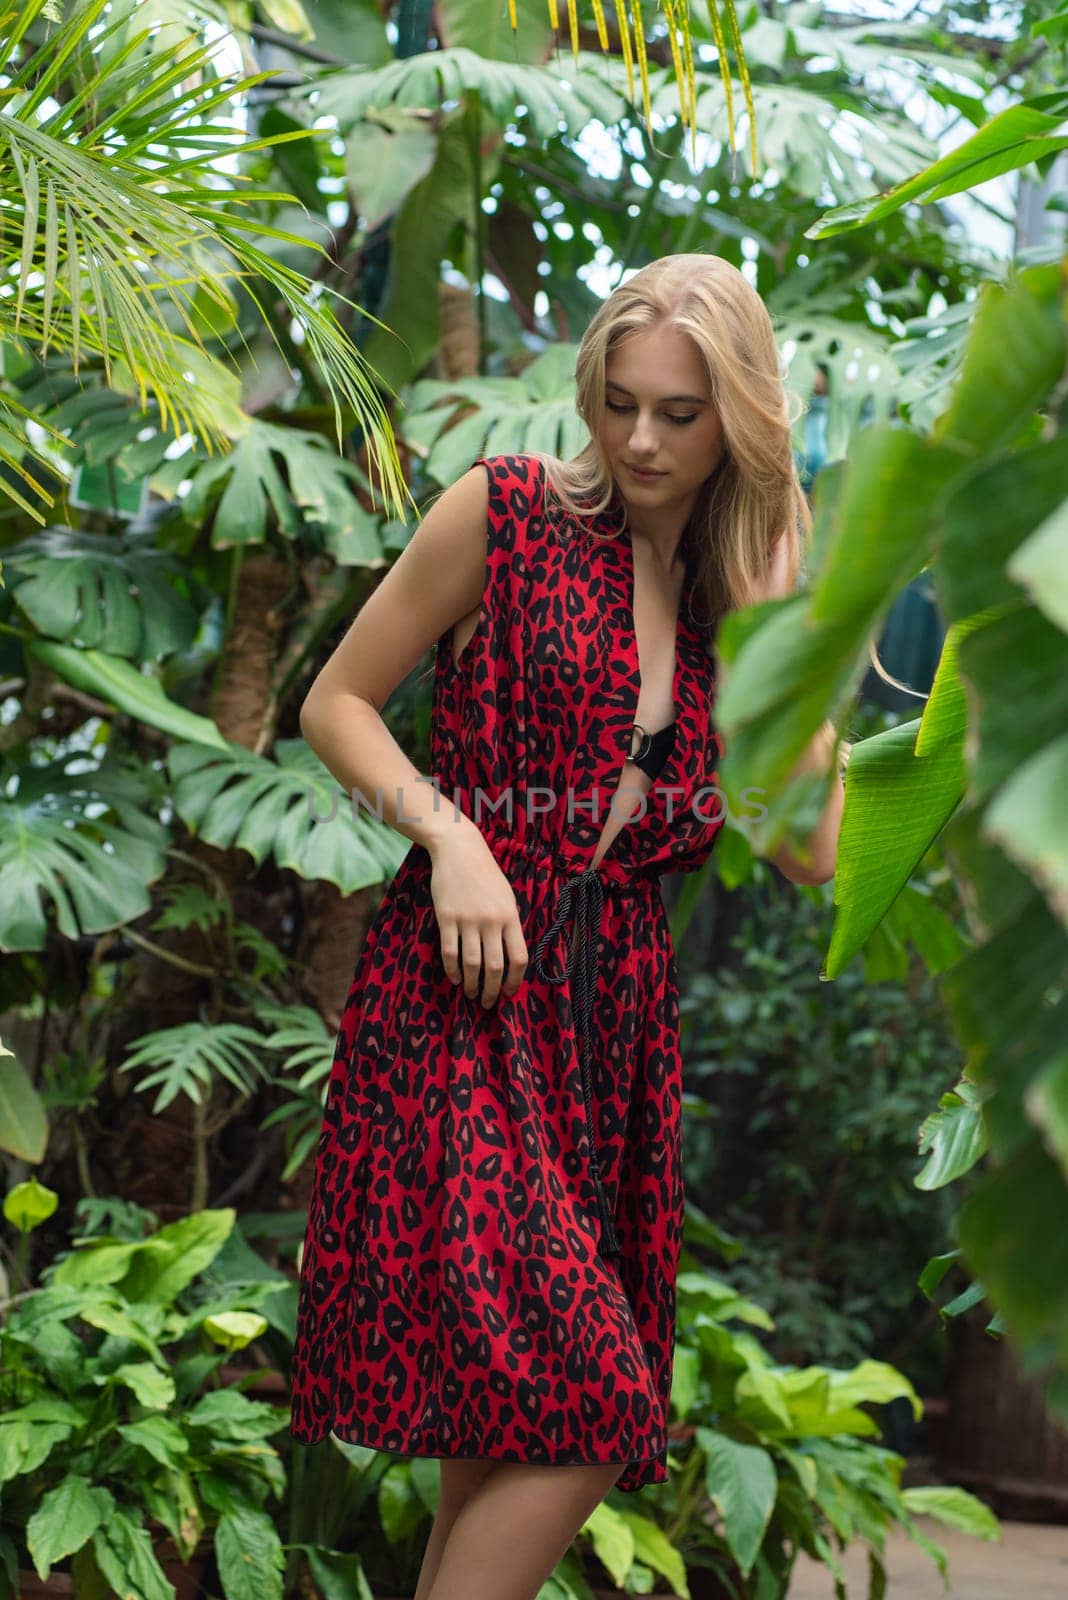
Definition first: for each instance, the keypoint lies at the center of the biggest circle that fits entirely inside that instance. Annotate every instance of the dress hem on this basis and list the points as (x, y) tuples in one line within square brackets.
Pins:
[(349, 1436)]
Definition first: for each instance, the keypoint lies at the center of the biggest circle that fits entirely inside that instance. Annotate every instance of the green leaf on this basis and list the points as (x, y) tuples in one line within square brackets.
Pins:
[(954, 1134), (423, 225), (291, 808), (99, 593), (250, 1556), (23, 1121), (124, 1554), (28, 1204), (1012, 139), (227, 1414), (84, 839), (66, 1518), (153, 1388), (653, 1547), (120, 683), (1047, 1104), (164, 1441), (167, 1263), (384, 160), (955, 1507), (1041, 563), (612, 1539), (1029, 819), (740, 1480), (873, 1381)]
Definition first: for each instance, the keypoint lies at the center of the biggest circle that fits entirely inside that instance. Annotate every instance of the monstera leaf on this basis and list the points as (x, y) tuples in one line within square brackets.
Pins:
[(535, 411), (103, 593), (290, 808), (551, 94), (319, 487), (85, 843)]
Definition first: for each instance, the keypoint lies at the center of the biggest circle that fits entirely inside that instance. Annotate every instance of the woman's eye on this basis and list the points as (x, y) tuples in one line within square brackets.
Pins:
[(681, 421)]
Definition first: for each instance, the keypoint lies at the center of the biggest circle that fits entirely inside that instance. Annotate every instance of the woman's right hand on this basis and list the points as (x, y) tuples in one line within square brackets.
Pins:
[(477, 915)]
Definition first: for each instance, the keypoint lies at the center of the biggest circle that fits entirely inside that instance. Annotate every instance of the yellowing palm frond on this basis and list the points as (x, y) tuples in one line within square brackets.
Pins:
[(117, 216)]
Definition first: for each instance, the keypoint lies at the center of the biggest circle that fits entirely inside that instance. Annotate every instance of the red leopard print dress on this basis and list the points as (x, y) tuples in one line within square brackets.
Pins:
[(478, 1280)]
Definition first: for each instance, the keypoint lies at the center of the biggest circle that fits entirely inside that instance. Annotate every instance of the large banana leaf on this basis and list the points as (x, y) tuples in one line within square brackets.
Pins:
[(988, 766), (1013, 139)]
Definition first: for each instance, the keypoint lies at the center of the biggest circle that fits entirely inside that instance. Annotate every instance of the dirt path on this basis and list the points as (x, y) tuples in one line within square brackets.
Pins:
[(1029, 1562)]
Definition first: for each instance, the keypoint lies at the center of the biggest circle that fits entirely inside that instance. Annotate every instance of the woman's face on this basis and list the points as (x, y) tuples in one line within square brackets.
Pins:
[(659, 414)]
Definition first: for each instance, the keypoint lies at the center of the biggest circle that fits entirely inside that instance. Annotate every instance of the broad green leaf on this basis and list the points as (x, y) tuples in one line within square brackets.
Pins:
[(23, 1121), (384, 160), (875, 1381), (124, 686), (153, 1388), (164, 1441), (96, 592), (1012, 139), (81, 838), (227, 1414), (124, 1554), (25, 1444), (740, 1480), (612, 1539), (168, 1262), (418, 240), (1047, 1105), (1041, 562), (1028, 817), (1014, 355), (66, 1518), (250, 1556), (290, 808), (653, 1547), (955, 1507)]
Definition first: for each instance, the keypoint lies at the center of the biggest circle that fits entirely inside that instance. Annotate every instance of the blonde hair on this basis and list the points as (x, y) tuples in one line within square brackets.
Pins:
[(754, 494)]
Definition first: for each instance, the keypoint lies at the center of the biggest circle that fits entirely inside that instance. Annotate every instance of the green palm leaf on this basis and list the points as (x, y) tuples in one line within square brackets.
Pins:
[(117, 220)]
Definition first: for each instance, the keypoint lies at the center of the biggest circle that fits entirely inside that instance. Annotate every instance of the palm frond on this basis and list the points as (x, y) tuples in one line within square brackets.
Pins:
[(111, 210)]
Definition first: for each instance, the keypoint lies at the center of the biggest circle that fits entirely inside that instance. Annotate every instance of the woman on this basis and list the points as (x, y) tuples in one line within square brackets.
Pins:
[(493, 1239)]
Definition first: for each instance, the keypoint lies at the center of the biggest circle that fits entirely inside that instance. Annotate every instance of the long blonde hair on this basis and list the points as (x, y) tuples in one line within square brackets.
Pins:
[(754, 495)]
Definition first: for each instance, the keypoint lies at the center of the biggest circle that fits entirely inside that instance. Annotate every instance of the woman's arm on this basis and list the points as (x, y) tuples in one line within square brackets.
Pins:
[(436, 580)]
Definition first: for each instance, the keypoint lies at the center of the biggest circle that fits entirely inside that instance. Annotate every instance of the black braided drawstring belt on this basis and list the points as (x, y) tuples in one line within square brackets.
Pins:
[(584, 961)]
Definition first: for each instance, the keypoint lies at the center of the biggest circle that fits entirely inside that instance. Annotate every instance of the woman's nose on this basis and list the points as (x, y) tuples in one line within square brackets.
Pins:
[(642, 436)]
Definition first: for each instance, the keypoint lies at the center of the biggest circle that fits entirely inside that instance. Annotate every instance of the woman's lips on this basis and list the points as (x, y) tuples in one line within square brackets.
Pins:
[(642, 472)]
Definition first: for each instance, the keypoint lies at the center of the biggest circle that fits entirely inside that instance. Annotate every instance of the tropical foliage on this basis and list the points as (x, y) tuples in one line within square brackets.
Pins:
[(277, 274)]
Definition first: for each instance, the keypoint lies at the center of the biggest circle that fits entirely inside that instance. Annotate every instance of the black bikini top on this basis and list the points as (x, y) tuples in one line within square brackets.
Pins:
[(654, 750)]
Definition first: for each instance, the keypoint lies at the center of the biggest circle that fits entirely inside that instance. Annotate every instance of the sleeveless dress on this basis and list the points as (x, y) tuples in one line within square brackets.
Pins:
[(491, 1253)]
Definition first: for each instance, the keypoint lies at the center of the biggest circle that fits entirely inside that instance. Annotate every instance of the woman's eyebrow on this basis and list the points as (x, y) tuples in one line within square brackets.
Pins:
[(695, 399)]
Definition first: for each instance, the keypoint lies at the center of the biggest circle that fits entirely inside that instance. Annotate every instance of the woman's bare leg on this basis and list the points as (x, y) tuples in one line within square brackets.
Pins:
[(514, 1527), (458, 1479)]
